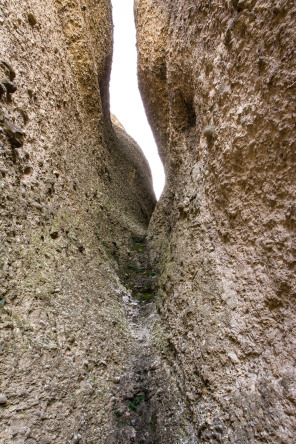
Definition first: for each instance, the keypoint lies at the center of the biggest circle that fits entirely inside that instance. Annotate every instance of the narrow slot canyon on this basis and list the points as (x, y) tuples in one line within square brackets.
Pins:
[(123, 318), (147, 404)]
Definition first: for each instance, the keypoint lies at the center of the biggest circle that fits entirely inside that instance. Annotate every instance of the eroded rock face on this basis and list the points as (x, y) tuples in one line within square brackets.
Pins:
[(74, 190), (218, 82)]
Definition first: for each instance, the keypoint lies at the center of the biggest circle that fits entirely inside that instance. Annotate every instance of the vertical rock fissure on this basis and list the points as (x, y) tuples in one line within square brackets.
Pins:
[(147, 408)]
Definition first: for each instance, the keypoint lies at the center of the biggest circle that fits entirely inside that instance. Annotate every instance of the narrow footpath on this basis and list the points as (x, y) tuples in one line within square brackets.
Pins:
[(146, 405)]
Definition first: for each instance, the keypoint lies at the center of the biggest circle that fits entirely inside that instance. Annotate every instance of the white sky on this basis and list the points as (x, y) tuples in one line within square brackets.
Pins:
[(125, 98)]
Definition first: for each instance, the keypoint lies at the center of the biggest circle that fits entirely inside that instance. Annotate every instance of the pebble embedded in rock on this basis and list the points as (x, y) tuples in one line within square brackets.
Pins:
[(76, 438), (3, 400), (7, 69), (2, 89), (209, 131), (219, 428), (32, 19), (154, 365), (2, 117), (25, 431), (116, 380), (233, 357), (37, 205), (14, 134), (9, 85)]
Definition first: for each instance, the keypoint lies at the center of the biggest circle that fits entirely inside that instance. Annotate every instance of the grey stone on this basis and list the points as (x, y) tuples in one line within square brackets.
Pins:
[(37, 205), (76, 438), (26, 431), (3, 400)]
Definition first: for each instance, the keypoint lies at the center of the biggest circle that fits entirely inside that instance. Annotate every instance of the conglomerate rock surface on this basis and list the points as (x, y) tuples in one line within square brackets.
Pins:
[(73, 193), (85, 357), (218, 83)]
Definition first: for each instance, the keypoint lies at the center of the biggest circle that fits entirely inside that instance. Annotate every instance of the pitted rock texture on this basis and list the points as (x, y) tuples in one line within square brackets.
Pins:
[(74, 190), (218, 82)]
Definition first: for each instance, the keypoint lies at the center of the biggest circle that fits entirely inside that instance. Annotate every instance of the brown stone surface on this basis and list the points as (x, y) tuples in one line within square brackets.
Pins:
[(85, 357), (218, 82), (73, 193)]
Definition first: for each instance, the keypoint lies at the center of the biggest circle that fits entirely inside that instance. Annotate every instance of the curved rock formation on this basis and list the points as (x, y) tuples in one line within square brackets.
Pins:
[(218, 83), (85, 357), (74, 191)]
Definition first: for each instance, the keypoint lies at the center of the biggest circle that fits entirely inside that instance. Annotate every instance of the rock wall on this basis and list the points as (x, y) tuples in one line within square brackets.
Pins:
[(218, 83), (74, 190), (83, 357)]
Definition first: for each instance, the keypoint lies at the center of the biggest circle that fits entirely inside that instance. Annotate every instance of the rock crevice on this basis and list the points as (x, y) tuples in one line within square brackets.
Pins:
[(113, 331)]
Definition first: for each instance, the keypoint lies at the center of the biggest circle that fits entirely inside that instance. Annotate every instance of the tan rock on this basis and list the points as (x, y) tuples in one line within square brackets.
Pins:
[(218, 83), (74, 192)]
